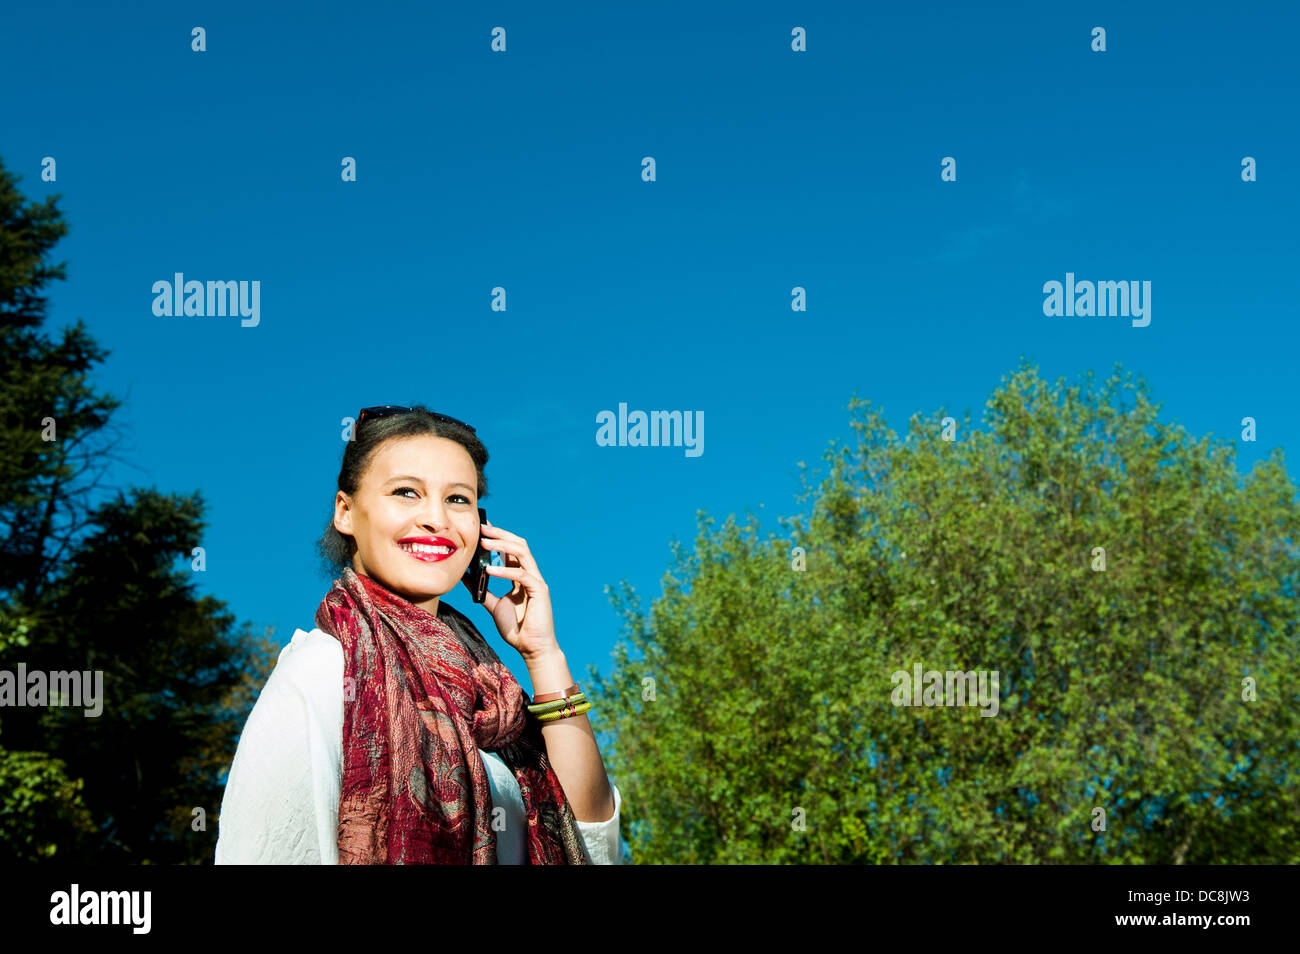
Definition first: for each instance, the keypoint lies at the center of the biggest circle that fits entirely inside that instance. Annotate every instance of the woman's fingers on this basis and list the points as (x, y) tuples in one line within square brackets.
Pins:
[(508, 543), (519, 574)]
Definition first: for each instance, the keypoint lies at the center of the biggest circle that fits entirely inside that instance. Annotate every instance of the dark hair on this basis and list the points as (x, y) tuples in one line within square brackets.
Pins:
[(337, 549)]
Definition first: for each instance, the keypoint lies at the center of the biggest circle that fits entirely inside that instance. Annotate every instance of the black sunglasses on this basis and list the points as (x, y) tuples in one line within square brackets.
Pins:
[(384, 410)]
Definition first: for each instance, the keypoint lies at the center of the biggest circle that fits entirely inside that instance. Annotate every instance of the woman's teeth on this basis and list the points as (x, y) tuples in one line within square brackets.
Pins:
[(424, 548)]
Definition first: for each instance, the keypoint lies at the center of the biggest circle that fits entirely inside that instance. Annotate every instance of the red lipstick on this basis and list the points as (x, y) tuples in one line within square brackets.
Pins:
[(422, 553)]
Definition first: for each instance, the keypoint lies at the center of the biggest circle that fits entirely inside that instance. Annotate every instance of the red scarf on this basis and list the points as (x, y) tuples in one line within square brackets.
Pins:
[(426, 694)]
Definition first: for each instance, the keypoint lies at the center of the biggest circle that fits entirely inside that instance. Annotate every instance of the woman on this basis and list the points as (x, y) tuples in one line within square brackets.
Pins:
[(392, 733)]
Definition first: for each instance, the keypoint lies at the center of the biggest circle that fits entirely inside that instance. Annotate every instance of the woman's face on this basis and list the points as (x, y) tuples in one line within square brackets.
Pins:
[(419, 490)]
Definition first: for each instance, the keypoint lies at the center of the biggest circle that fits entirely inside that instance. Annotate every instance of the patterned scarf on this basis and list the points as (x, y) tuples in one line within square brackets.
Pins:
[(422, 694)]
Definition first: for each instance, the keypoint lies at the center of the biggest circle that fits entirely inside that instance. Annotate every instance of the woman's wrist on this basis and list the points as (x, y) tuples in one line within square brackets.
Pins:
[(549, 671)]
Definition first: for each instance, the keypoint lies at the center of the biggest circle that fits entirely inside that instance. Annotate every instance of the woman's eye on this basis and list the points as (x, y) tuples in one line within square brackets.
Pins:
[(417, 493)]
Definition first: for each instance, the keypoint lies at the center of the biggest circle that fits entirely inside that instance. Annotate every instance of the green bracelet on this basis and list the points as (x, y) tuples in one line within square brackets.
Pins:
[(557, 716), (545, 707), (539, 707)]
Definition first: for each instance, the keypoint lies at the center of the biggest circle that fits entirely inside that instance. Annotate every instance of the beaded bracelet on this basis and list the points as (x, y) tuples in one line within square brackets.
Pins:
[(565, 713)]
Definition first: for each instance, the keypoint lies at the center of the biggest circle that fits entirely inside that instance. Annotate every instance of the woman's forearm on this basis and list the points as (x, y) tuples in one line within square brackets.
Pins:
[(571, 745)]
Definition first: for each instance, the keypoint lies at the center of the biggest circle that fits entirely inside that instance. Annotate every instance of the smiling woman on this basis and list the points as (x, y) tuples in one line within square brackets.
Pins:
[(392, 733), (381, 517)]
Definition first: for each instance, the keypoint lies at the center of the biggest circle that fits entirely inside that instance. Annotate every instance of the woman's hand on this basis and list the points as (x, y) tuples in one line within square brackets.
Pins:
[(523, 616)]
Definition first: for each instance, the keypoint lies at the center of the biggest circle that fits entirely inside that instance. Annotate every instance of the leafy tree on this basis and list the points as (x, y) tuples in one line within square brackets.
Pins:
[(90, 585), (769, 733), (177, 686), (39, 796)]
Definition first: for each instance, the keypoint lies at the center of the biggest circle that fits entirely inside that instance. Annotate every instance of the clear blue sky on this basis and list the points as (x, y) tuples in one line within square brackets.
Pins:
[(775, 169)]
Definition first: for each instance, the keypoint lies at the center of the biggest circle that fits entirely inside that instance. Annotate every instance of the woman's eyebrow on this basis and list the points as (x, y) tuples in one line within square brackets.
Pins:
[(420, 480)]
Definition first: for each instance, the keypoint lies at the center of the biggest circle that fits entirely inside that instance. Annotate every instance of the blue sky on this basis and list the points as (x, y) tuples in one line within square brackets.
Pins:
[(522, 169)]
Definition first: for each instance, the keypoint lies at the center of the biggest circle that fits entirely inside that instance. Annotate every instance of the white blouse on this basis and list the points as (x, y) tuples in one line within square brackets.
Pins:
[(281, 803)]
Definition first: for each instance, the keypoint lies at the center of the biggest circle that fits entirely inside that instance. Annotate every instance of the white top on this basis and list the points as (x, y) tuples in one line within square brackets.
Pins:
[(281, 804)]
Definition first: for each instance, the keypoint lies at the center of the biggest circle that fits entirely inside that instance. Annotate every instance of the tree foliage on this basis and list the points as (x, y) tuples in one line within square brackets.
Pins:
[(89, 582), (1120, 689)]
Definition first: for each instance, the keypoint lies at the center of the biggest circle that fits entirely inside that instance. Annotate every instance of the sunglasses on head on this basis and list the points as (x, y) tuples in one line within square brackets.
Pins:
[(384, 410)]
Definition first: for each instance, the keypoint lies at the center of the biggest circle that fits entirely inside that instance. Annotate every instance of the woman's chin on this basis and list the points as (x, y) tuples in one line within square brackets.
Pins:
[(426, 582)]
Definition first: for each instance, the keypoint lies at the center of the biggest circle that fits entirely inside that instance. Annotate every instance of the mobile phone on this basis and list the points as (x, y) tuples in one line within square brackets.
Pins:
[(476, 576)]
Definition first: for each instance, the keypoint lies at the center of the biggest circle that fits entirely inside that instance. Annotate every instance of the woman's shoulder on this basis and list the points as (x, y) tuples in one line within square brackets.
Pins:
[(310, 663), (310, 649)]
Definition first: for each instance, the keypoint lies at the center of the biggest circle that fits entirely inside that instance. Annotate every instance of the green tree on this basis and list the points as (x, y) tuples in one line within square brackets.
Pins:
[(93, 585), (41, 804), (1120, 688)]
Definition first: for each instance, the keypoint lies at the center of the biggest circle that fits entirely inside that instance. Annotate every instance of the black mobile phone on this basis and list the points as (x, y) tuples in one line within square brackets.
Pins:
[(476, 576)]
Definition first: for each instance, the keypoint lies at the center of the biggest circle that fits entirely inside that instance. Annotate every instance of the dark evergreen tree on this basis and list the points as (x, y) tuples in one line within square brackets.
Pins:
[(96, 580)]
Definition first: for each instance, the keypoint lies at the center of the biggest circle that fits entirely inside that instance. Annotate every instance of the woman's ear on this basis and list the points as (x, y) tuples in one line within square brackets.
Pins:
[(343, 514)]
